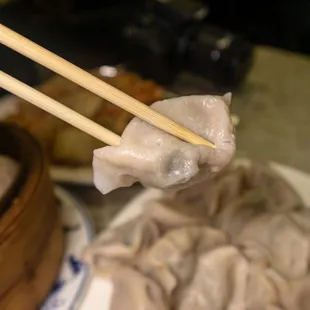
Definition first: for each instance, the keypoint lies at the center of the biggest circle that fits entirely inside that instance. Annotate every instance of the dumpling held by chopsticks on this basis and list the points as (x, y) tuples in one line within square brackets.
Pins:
[(157, 159)]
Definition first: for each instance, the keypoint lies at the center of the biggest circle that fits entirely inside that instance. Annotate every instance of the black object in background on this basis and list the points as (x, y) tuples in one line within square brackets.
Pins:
[(280, 23), (17, 66), (169, 37), (67, 42), (159, 39), (156, 39)]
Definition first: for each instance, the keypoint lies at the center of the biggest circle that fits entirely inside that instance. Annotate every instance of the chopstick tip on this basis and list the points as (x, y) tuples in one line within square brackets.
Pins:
[(207, 143), (213, 146)]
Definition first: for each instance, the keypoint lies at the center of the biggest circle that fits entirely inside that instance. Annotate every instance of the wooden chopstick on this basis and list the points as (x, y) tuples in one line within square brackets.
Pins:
[(57, 109), (57, 64)]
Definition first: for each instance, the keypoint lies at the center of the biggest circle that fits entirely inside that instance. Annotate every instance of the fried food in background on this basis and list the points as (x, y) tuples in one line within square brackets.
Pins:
[(66, 145)]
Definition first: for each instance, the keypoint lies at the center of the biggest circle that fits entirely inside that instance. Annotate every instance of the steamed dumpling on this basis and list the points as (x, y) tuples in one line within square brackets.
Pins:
[(140, 293), (275, 239), (171, 260), (158, 159), (219, 282)]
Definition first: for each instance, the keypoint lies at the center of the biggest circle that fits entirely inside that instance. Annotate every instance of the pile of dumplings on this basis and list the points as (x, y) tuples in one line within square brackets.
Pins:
[(240, 241)]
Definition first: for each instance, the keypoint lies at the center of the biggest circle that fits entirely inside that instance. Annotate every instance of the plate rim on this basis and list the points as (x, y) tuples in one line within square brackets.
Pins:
[(64, 195)]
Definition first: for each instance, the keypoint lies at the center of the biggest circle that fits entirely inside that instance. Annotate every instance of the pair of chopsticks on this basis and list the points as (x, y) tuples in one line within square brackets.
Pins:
[(57, 64)]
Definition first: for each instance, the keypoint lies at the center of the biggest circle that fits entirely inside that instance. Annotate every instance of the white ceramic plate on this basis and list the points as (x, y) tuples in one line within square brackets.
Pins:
[(99, 290), (74, 274)]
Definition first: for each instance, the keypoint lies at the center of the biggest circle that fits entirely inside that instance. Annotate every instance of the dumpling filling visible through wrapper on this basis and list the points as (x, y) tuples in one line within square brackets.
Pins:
[(157, 159)]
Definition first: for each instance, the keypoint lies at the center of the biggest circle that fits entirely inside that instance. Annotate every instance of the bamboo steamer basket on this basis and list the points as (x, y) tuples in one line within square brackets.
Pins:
[(31, 237)]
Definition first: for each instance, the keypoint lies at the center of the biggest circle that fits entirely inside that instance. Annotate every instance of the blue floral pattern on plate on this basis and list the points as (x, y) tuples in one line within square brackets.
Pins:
[(74, 273)]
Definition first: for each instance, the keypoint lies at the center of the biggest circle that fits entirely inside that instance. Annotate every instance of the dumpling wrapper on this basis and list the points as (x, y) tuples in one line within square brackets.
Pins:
[(262, 292), (125, 243), (171, 260), (160, 160), (133, 291), (219, 282), (276, 239), (280, 193)]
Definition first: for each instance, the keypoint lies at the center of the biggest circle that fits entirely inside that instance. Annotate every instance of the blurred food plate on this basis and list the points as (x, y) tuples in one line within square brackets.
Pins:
[(74, 274), (99, 290)]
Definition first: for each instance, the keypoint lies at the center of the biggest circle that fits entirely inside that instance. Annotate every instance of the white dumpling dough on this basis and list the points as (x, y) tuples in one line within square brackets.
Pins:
[(160, 160)]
